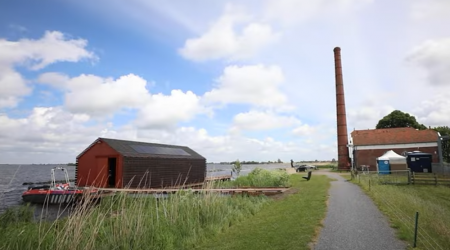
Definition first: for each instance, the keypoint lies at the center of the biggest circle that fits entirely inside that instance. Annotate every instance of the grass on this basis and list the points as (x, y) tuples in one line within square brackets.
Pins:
[(180, 221), (401, 202), (290, 223)]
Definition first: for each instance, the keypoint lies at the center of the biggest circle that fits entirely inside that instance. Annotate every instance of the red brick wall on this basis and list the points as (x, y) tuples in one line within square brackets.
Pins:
[(369, 157)]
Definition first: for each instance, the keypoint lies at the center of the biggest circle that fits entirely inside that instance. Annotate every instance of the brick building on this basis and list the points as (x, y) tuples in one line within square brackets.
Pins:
[(368, 145)]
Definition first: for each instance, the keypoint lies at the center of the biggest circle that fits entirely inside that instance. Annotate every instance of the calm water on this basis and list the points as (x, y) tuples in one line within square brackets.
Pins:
[(13, 176)]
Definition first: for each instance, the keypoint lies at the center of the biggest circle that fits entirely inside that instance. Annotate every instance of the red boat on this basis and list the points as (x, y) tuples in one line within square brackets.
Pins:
[(55, 193)]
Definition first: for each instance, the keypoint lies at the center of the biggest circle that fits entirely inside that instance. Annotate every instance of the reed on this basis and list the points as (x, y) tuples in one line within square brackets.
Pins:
[(139, 221)]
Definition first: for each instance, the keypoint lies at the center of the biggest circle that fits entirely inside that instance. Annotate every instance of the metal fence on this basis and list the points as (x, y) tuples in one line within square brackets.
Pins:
[(404, 177), (440, 168), (396, 177)]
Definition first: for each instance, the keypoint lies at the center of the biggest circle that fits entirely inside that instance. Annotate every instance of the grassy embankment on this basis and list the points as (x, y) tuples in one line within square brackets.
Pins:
[(290, 223), (401, 202), (181, 221)]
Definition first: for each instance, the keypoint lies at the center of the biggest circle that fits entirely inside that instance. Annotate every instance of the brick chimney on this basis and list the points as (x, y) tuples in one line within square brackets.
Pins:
[(343, 155)]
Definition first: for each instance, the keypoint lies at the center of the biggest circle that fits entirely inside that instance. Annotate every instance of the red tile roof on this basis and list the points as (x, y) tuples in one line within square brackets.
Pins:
[(393, 136)]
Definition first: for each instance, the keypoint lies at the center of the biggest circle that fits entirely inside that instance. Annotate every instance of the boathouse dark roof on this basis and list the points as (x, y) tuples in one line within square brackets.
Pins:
[(145, 149)]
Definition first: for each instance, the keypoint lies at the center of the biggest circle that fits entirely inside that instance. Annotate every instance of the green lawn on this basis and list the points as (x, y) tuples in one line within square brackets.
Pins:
[(289, 223), (401, 202)]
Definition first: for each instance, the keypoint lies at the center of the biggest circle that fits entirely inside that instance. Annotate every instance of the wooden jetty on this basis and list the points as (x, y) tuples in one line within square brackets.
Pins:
[(230, 191), (218, 178), (197, 188)]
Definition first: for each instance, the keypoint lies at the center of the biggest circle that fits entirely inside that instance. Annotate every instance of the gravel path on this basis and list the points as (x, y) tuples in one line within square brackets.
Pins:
[(354, 222)]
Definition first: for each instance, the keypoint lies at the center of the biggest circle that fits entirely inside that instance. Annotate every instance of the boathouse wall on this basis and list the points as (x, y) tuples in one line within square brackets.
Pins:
[(158, 172), (92, 166), (138, 165)]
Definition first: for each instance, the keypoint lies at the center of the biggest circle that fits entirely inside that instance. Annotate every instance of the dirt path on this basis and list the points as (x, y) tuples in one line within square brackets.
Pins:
[(353, 221)]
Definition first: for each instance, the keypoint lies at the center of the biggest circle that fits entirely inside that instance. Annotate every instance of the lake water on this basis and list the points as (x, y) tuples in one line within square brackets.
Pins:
[(12, 178)]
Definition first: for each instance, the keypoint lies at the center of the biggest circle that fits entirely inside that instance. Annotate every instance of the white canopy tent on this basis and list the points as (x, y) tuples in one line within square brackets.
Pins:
[(392, 157), (394, 161)]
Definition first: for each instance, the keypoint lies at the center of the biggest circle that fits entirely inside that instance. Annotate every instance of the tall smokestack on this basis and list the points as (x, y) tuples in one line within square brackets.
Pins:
[(343, 155)]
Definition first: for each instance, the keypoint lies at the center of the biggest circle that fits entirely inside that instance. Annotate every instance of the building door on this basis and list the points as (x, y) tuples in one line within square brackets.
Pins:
[(112, 172)]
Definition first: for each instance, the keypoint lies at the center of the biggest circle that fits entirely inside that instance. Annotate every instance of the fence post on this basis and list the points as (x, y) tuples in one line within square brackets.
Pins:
[(369, 183), (409, 176), (435, 179), (415, 229)]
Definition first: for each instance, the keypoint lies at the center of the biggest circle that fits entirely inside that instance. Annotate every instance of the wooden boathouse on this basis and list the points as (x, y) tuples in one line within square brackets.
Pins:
[(112, 163)]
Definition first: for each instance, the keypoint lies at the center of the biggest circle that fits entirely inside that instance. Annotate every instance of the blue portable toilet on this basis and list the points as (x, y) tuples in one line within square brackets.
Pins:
[(383, 166), (390, 161), (419, 161)]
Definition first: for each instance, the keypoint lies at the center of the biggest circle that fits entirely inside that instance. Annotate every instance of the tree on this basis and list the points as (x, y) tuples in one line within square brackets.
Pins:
[(444, 130), (237, 167), (398, 119)]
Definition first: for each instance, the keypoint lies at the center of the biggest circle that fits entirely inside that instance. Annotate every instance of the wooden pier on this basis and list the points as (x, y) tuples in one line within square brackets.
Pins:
[(230, 191), (218, 178), (197, 188)]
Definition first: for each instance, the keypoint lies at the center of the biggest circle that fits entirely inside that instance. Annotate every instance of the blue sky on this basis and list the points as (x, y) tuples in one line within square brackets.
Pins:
[(248, 80)]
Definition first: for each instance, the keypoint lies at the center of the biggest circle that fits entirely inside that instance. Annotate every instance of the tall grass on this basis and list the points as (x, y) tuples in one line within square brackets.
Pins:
[(131, 222), (401, 202)]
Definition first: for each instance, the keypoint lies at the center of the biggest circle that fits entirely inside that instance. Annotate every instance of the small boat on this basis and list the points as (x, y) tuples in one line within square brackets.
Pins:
[(55, 193)]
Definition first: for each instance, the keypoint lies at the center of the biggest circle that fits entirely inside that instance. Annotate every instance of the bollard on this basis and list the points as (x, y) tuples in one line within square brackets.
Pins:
[(415, 230)]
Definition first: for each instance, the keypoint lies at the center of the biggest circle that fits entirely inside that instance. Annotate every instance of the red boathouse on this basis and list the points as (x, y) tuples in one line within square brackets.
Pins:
[(119, 163)]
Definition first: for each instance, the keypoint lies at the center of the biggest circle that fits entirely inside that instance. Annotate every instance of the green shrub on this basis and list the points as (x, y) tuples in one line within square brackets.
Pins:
[(259, 177)]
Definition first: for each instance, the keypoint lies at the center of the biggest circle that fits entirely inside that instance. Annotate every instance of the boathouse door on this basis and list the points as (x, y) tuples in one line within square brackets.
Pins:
[(112, 172)]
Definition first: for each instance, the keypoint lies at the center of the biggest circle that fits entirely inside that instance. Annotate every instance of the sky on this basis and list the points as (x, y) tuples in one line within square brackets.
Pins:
[(248, 80)]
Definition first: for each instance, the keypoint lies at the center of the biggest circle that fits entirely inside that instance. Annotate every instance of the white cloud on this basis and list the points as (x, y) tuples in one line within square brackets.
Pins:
[(258, 120), (54, 79), (13, 86), (97, 96), (162, 111), (304, 130), (52, 47), (426, 9), (47, 135), (434, 112), (433, 56), (290, 12), (224, 39), (231, 147), (36, 54), (257, 85), (367, 115)]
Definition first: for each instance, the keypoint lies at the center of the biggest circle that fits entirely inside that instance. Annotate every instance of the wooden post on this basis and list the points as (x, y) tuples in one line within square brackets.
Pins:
[(415, 230)]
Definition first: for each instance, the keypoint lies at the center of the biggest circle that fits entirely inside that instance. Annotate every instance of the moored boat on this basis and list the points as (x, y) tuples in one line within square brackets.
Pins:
[(55, 193)]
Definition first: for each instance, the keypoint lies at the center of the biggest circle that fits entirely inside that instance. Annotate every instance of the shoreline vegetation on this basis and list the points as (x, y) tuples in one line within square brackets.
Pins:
[(180, 221)]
